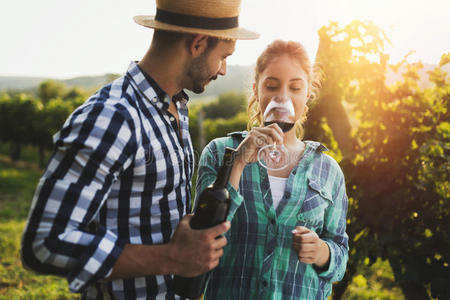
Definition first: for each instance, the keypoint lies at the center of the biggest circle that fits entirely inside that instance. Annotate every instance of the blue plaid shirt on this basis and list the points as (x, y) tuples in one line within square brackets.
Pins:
[(120, 173), (259, 261)]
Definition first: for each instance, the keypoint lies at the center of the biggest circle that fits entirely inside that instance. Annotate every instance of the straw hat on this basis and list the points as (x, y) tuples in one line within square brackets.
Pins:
[(218, 18)]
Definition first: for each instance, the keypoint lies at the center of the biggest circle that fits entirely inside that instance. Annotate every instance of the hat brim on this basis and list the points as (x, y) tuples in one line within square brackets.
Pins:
[(234, 33)]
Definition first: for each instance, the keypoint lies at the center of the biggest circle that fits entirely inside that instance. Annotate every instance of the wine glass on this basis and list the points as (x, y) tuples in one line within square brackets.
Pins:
[(280, 110)]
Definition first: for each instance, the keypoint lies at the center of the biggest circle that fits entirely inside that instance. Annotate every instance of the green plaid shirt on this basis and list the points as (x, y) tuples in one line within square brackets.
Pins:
[(259, 261)]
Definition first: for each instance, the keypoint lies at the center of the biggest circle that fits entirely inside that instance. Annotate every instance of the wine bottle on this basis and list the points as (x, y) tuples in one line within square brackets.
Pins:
[(211, 209)]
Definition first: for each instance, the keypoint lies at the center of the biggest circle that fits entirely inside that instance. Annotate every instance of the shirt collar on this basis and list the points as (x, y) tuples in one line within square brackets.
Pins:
[(151, 90), (158, 90), (316, 146)]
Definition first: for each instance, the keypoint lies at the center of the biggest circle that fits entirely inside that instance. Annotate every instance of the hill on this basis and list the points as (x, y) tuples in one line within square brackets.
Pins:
[(30, 83), (238, 78), (19, 83)]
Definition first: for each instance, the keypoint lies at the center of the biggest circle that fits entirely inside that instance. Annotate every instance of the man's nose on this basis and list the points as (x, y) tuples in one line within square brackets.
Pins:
[(223, 68)]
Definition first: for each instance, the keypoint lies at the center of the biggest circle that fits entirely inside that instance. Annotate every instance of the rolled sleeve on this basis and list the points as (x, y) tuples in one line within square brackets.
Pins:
[(95, 145), (210, 162), (335, 236), (96, 263), (337, 263)]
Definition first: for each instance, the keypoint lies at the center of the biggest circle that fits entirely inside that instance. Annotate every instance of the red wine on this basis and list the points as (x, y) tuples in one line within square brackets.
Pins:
[(211, 209), (283, 125)]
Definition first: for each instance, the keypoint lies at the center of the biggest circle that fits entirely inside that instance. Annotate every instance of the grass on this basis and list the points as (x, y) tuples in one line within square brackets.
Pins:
[(15, 281), (17, 184)]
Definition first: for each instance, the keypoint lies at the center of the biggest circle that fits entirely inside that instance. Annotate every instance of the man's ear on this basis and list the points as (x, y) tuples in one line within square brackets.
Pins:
[(198, 45)]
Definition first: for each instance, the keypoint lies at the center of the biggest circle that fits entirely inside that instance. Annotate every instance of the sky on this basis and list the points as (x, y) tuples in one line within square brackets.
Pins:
[(63, 39)]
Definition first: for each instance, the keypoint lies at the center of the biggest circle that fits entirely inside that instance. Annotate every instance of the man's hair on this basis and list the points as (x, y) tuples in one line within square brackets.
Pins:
[(167, 38)]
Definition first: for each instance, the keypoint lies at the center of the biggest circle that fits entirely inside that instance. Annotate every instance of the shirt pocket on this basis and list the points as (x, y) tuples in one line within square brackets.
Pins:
[(312, 212)]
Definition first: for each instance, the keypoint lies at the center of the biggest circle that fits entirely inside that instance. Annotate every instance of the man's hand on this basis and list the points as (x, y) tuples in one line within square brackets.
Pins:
[(194, 252), (310, 248)]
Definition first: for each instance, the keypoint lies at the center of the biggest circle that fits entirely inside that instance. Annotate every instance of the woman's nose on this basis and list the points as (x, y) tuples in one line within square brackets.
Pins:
[(282, 97)]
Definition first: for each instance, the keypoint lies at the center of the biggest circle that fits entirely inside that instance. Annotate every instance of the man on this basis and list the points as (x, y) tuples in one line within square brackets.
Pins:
[(106, 213)]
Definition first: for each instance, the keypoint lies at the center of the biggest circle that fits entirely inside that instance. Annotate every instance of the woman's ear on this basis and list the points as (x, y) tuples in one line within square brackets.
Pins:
[(198, 45)]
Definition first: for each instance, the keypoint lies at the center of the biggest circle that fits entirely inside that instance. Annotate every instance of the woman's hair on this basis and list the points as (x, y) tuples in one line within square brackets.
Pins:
[(296, 51)]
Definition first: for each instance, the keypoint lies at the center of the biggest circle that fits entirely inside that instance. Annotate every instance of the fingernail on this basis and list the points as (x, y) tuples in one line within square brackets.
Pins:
[(294, 231)]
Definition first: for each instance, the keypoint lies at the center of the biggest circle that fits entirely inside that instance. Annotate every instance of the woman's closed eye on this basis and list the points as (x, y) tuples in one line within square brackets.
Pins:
[(271, 87), (296, 87)]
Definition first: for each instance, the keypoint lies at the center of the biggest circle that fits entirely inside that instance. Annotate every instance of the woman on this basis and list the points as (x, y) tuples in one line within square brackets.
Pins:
[(287, 238)]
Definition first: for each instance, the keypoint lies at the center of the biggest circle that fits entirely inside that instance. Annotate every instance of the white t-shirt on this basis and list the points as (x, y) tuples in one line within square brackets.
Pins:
[(277, 187)]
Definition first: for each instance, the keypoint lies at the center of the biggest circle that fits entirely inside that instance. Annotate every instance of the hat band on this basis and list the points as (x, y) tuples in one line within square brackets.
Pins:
[(195, 21)]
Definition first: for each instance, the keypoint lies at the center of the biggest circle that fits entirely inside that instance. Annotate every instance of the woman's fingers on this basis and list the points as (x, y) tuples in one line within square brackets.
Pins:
[(306, 248), (305, 243), (260, 139), (306, 260), (274, 131), (257, 138)]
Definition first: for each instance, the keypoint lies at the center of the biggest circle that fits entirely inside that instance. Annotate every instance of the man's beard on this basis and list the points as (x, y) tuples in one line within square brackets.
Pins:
[(199, 75)]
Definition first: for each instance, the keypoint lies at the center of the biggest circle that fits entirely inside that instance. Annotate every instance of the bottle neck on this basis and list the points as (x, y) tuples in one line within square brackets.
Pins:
[(224, 173)]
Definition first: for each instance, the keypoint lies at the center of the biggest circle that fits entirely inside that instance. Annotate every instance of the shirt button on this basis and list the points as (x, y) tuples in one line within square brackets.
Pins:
[(272, 221), (155, 100), (172, 119), (264, 283)]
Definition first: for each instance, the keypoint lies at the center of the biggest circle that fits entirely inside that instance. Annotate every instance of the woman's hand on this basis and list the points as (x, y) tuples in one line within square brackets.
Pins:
[(247, 151), (310, 248), (258, 137)]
